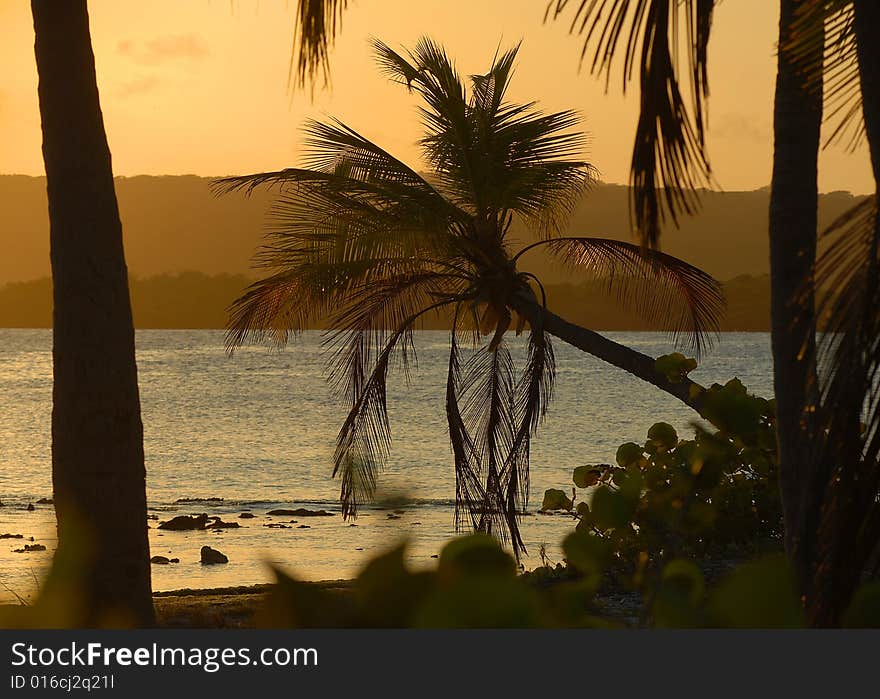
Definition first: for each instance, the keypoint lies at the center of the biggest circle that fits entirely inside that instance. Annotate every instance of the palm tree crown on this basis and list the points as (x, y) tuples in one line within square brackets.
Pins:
[(363, 240)]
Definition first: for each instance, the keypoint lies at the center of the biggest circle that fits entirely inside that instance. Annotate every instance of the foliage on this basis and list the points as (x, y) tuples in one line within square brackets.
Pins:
[(475, 585), (716, 494)]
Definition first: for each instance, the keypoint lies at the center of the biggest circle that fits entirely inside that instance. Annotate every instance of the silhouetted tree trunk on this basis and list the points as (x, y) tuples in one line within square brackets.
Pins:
[(849, 527), (867, 28), (793, 211), (639, 365), (97, 438)]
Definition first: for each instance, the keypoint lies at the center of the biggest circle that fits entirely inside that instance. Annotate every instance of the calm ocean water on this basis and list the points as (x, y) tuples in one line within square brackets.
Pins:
[(257, 429)]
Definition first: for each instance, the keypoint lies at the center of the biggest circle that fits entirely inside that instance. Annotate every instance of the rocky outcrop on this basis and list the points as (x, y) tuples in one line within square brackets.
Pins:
[(300, 512), (185, 523), (212, 556)]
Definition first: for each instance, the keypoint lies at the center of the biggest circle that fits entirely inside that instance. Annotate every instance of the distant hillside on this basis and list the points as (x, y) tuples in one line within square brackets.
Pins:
[(174, 224), (197, 300)]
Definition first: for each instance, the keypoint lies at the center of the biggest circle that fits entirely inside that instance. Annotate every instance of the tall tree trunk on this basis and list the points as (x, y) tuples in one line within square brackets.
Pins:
[(867, 28), (793, 211), (97, 438), (849, 529), (639, 365)]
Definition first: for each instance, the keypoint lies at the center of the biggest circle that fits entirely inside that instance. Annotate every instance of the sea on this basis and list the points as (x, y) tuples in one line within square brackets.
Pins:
[(255, 431)]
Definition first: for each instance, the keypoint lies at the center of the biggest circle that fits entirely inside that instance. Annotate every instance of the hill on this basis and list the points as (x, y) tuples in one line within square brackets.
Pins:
[(174, 224)]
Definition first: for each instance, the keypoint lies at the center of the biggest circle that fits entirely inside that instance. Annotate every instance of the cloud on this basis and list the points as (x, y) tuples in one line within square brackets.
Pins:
[(163, 48), (740, 127), (136, 87)]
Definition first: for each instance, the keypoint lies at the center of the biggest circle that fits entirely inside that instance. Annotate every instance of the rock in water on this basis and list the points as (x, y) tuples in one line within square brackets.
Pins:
[(30, 507), (217, 523), (185, 523), (45, 501), (211, 556), (246, 515), (300, 512), (160, 560), (29, 548)]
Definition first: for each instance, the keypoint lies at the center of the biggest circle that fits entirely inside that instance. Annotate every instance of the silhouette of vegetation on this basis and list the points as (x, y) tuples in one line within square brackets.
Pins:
[(366, 241), (98, 473), (475, 585), (713, 496), (828, 57)]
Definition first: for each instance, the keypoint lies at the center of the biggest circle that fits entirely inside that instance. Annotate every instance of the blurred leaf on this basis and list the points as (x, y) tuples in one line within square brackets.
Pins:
[(757, 595), (477, 554), (294, 604), (479, 602), (388, 593), (588, 553), (586, 476), (864, 610), (610, 509), (679, 595)]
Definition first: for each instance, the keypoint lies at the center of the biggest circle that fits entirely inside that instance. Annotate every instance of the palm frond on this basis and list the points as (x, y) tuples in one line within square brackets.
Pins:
[(487, 395), (364, 440), (276, 306), (533, 393), (314, 30), (845, 465), (470, 495), (822, 47), (669, 161), (488, 154), (369, 313), (664, 290)]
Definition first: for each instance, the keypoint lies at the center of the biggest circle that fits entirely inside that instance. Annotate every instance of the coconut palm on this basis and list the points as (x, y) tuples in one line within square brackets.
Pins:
[(366, 241), (842, 468), (670, 163), (828, 52), (97, 438)]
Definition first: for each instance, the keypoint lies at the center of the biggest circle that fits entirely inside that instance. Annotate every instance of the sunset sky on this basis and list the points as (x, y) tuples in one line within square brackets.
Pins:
[(201, 86)]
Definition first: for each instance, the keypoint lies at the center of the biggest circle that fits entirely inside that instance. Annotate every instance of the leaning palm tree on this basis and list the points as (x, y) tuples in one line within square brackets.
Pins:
[(372, 245)]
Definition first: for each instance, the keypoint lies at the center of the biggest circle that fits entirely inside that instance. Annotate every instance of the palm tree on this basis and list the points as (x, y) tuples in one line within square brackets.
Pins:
[(670, 163), (843, 465), (97, 437), (828, 461), (365, 240)]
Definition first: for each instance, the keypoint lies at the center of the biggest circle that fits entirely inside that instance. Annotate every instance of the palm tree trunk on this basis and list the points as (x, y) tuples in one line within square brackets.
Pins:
[(639, 365), (848, 534), (97, 438), (793, 211), (867, 28)]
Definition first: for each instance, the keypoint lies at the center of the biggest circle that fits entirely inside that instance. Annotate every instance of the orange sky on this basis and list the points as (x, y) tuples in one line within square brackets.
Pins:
[(200, 86)]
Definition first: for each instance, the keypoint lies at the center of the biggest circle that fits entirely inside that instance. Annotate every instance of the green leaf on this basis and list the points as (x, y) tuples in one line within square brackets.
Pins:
[(687, 577), (610, 509), (675, 367), (555, 499), (588, 553), (586, 476), (475, 555), (629, 453), (678, 597), (663, 434), (758, 595), (864, 609)]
